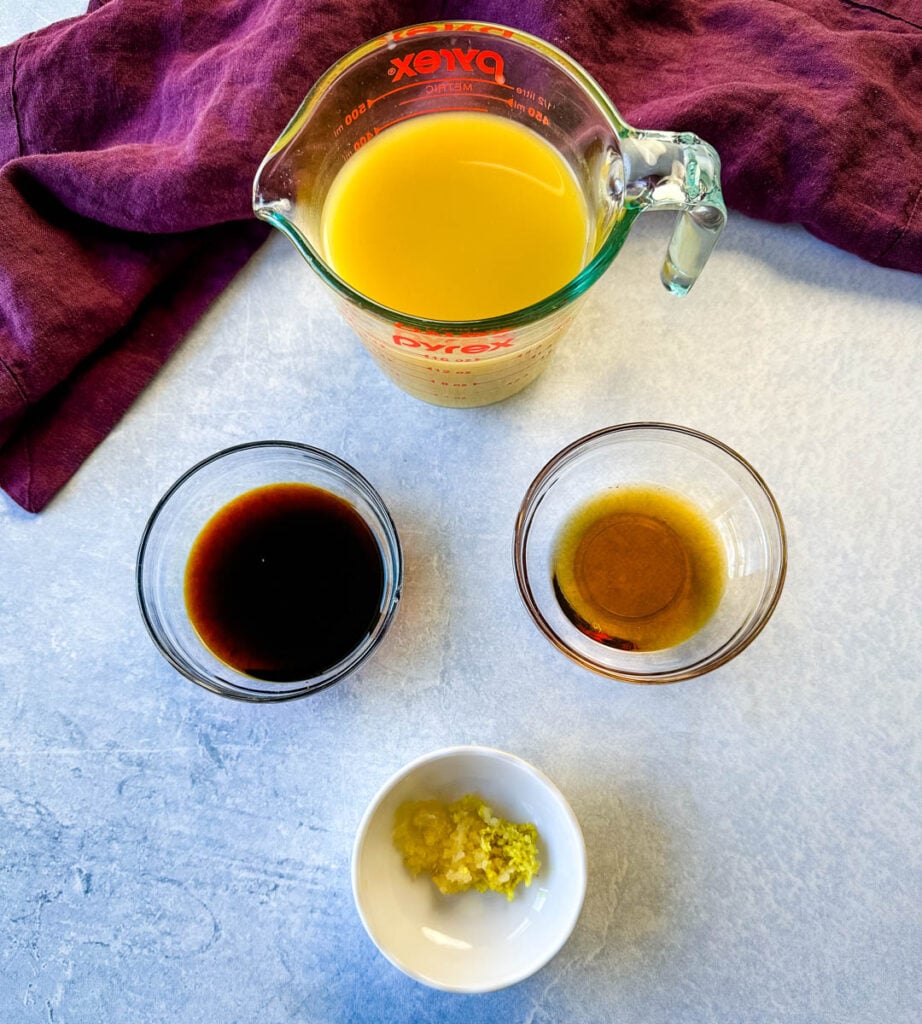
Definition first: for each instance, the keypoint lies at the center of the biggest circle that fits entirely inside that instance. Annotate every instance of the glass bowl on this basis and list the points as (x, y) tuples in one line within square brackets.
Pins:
[(732, 498), (190, 504), (470, 941)]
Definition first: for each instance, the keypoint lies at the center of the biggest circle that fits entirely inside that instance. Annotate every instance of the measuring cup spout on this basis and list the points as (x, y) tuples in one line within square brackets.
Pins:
[(275, 196), (273, 187), (666, 171)]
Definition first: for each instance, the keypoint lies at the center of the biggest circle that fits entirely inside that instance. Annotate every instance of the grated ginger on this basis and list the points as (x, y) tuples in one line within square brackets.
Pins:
[(463, 845)]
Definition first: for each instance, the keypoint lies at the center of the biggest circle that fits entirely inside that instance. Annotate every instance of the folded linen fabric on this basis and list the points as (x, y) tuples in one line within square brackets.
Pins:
[(129, 137)]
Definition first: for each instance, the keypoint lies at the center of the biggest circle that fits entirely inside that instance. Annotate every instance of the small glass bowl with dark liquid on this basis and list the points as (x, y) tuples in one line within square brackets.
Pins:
[(269, 571), (649, 552)]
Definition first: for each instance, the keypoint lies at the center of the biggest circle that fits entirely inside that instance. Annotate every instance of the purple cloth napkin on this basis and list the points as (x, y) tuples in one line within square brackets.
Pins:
[(129, 137)]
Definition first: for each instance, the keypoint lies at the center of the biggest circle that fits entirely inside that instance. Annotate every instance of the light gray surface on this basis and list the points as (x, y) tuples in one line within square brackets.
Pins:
[(752, 836)]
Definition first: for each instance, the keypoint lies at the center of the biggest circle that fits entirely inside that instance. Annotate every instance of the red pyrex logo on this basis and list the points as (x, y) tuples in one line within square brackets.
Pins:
[(476, 349), (427, 62)]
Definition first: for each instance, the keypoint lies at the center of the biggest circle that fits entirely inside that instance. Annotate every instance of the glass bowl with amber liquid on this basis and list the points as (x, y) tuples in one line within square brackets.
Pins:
[(269, 571), (649, 552)]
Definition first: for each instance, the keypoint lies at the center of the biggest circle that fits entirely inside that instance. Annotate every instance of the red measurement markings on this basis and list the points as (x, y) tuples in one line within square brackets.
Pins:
[(472, 95), (422, 113), (433, 81)]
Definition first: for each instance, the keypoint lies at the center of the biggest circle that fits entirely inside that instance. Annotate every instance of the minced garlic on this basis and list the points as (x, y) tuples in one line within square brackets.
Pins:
[(463, 845)]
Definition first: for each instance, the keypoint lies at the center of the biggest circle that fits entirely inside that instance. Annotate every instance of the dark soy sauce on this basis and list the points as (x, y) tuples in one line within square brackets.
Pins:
[(284, 582)]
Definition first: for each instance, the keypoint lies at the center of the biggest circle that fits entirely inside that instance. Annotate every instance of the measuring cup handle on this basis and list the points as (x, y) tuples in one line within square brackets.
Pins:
[(667, 171)]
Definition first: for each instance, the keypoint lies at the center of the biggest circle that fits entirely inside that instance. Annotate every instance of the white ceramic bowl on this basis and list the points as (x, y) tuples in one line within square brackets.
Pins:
[(471, 941)]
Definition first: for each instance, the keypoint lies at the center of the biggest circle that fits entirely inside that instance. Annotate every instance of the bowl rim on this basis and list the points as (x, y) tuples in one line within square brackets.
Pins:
[(532, 499), (491, 753), (393, 556)]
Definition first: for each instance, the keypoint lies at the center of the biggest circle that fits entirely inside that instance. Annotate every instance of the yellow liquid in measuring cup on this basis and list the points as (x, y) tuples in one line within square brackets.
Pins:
[(456, 216)]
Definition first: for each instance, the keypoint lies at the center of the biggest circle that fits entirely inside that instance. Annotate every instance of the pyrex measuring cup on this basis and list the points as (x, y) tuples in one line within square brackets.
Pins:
[(474, 66)]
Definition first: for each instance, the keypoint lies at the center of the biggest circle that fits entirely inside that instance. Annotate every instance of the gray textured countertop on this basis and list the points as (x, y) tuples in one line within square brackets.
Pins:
[(752, 836)]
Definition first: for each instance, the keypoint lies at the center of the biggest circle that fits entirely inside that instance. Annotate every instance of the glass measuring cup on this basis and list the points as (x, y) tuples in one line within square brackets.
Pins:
[(475, 66)]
